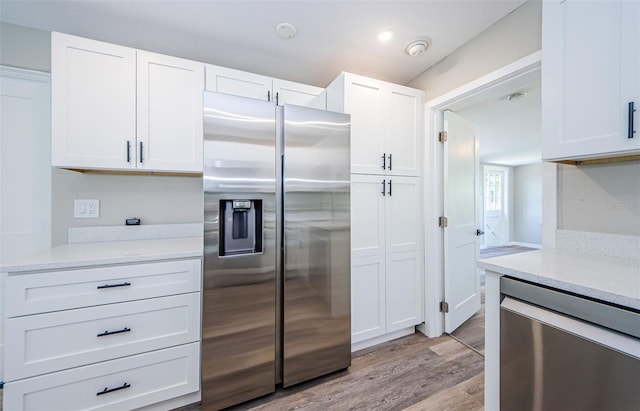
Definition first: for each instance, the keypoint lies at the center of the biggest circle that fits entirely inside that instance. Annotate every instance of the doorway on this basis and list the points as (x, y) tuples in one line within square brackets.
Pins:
[(495, 210), (502, 82)]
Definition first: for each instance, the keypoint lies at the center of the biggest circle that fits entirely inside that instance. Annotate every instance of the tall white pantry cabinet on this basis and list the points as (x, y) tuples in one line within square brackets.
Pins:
[(117, 108), (386, 227)]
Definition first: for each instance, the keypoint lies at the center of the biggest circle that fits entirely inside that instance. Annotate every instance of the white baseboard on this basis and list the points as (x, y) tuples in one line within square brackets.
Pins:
[(530, 245), (382, 339)]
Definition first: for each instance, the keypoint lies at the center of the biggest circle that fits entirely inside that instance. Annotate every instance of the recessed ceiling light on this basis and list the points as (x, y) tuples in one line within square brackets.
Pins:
[(385, 35), (286, 30), (416, 47)]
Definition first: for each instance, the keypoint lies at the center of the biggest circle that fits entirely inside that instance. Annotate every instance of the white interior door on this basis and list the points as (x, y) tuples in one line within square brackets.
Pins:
[(461, 203), (25, 162), (496, 219)]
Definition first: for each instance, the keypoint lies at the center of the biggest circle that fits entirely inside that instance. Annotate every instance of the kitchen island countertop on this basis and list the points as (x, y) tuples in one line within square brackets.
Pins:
[(611, 279), (101, 253)]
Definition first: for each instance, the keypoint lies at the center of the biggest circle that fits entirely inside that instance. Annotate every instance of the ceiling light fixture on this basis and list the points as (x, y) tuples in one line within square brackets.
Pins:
[(417, 47), (286, 30), (385, 35)]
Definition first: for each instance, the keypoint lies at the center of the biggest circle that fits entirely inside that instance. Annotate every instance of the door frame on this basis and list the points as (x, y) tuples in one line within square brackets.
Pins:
[(497, 83)]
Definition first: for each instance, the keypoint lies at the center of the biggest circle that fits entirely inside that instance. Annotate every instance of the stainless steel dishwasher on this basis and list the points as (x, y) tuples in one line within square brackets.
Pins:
[(560, 351)]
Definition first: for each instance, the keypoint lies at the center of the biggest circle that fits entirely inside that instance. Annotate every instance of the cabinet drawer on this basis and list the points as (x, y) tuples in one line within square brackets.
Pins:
[(144, 379), (61, 290), (44, 343)]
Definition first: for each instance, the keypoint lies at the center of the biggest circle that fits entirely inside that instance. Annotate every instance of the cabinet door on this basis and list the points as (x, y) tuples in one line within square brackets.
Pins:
[(288, 92), (238, 83), (169, 113), (403, 214), (368, 194), (93, 94), (364, 100), (404, 290), (591, 72), (367, 298), (405, 131)]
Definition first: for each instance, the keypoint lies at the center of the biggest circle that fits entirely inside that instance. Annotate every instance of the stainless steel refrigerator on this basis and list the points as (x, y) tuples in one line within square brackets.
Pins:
[(276, 301)]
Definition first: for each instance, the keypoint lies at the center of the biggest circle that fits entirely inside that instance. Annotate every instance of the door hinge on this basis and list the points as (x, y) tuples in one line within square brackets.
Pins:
[(442, 136), (444, 307), (443, 222)]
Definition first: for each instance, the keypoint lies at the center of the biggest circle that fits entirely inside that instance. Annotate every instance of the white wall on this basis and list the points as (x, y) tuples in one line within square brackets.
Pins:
[(25, 48), (527, 200), (154, 199), (602, 198), (516, 35)]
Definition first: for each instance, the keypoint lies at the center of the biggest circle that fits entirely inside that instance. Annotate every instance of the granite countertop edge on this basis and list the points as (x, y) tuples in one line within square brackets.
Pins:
[(611, 279), (106, 253)]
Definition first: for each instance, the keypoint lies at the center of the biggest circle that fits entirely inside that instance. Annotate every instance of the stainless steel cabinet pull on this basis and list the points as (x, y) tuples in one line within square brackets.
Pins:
[(389, 187), (125, 284), (141, 151), (128, 151), (384, 182), (389, 161), (631, 115), (104, 334), (384, 161), (108, 390)]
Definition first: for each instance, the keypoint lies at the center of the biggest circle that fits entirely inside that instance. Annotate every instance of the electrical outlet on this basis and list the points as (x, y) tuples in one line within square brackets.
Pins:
[(86, 208)]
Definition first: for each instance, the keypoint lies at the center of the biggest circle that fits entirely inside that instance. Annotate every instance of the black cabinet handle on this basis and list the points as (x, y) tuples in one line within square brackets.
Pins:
[(479, 232), (141, 152), (128, 151), (389, 188), (108, 390), (384, 182), (631, 115), (389, 161), (268, 95), (384, 161), (104, 334), (277, 98), (125, 284)]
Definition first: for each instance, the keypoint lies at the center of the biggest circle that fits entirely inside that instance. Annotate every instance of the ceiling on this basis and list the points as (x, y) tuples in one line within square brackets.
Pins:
[(510, 131), (332, 36)]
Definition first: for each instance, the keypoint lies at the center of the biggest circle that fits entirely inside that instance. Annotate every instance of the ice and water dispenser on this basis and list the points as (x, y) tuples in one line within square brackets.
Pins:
[(241, 227)]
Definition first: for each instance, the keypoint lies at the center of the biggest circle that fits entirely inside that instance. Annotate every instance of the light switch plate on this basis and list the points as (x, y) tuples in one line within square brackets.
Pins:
[(86, 208)]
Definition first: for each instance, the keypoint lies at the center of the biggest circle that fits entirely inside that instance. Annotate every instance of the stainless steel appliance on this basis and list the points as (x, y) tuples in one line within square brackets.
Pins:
[(560, 351), (276, 301)]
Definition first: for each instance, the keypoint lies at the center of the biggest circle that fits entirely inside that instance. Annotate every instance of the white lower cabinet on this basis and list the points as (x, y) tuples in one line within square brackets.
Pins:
[(103, 337), (386, 274), (386, 294), (367, 298), (121, 384)]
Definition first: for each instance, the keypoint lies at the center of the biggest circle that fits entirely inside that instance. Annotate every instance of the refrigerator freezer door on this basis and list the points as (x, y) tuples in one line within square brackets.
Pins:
[(238, 323), (317, 256)]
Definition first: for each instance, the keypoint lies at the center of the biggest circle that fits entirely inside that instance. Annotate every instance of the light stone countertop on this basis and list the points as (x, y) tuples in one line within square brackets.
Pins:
[(611, 279), (102, 253)]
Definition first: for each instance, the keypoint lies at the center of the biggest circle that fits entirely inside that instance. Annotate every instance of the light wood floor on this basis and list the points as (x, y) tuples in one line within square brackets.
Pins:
[(412, 373)]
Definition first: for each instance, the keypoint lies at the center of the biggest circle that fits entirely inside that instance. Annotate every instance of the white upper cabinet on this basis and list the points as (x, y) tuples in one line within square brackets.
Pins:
[(386, 124), (244, 84), (590, 74), (93, 94), (169, 113), (288, 92), (116, 108)]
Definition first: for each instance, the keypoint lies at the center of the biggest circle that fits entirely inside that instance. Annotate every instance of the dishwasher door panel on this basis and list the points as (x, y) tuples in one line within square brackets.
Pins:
[(543, 367)]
